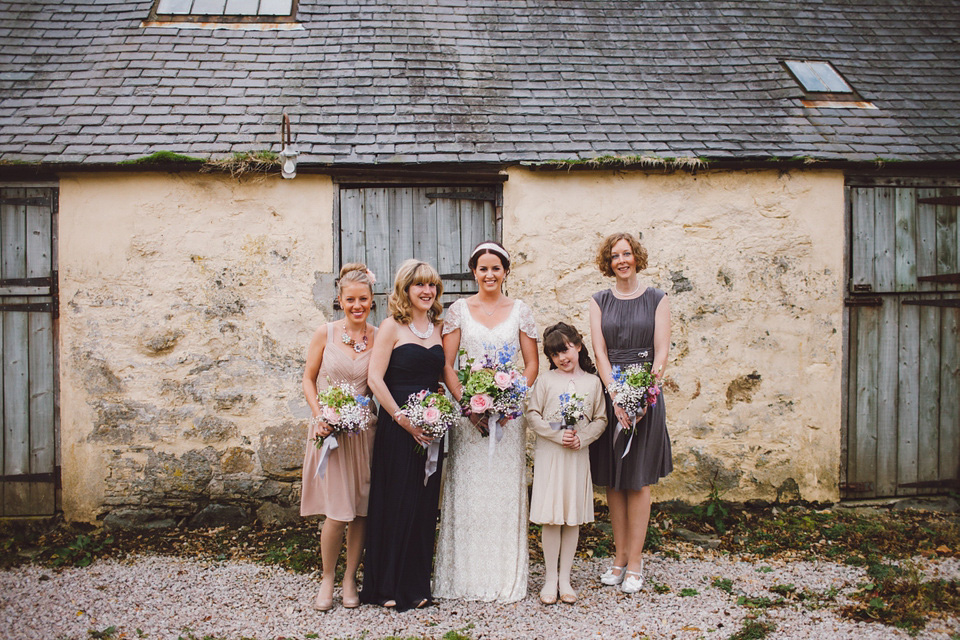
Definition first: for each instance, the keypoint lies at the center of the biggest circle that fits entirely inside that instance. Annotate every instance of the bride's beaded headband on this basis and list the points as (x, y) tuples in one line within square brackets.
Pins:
[(492, 247)]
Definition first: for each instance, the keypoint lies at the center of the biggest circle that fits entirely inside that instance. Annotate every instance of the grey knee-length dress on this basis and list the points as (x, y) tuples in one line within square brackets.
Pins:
[(627, 327)]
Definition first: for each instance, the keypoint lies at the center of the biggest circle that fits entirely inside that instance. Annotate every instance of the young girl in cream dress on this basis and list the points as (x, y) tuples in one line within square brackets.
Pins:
[(562, 497)]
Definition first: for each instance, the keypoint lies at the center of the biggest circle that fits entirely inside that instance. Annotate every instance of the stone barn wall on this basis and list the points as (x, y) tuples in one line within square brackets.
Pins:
[(187, 301), (753, 265), (186, 304)]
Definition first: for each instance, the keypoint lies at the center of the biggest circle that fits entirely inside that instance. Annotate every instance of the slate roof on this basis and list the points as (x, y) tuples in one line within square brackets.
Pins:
[(500, 81)]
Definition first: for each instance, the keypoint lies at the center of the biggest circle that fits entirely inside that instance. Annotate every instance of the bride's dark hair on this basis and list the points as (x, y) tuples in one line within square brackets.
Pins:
[(557, 337)]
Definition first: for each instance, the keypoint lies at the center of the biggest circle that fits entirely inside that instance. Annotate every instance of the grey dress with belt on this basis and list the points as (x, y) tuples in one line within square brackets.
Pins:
[(627, 327)]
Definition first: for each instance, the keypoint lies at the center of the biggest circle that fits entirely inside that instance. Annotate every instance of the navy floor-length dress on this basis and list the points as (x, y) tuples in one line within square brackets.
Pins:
[(402, 514)]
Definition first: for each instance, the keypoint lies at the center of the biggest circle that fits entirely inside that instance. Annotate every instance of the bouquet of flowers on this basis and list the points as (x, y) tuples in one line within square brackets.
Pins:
[(346, 412), (492, 385), (435, 413), (636, 389), (571, 411)]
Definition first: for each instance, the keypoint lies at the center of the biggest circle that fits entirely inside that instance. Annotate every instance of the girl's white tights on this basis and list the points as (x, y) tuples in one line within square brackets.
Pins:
[(559, 548)]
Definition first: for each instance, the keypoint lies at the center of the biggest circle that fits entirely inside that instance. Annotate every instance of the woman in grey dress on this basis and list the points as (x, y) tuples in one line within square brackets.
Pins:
[(629, 324)]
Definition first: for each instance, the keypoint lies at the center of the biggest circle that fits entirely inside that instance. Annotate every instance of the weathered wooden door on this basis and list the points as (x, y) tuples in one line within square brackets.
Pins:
[(28, 305), (903, 399), (384, 225)]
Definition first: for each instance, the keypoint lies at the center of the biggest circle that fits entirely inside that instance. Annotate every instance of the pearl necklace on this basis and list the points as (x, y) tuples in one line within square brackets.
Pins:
[(426, 334), (626, 295)]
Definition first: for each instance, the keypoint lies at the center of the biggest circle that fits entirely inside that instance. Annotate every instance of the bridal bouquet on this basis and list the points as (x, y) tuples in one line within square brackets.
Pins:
[(435, 414), (571, 411), (636, 389), (492, 385), (345, 412)]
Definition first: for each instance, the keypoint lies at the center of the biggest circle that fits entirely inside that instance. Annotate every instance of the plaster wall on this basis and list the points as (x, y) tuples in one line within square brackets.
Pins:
[(186, 302), (753, 264)]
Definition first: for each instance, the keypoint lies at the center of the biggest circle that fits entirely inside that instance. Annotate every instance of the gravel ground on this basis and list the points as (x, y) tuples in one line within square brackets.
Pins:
[(168, 597)]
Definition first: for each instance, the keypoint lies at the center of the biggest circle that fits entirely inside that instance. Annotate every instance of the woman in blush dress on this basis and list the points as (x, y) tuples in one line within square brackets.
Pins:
[(402, 517), (629, 324), (482, 548), (339, 352)]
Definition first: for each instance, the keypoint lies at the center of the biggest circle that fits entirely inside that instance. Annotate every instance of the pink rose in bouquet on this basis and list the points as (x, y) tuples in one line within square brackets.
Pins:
[(503, 379), (330, 415), (431, 415), (481, 402)]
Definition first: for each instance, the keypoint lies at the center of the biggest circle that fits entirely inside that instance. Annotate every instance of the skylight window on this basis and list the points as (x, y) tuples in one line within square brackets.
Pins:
[(223, 10), (818, 77)]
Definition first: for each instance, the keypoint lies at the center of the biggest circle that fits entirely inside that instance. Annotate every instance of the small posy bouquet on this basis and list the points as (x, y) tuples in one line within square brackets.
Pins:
[(492, 385), (571, 411), (346, 412), (636, 389), (435, 413)]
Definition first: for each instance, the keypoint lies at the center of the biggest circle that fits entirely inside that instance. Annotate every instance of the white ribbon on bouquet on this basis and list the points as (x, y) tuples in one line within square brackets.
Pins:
[(494, 432), (433, 456), (329, 444), (633, 432)]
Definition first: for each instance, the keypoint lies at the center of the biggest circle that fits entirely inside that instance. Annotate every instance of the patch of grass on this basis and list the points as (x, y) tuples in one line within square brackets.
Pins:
[(81, 552), (107, 634), (754, 630), (686, 592), (758, 602), (899, 597), (611, 161), (783, 589), (245, 163), (459, 634), (724, 584), (164, 157), (764, 569), (713, 510), (659, 587), (300, 553)]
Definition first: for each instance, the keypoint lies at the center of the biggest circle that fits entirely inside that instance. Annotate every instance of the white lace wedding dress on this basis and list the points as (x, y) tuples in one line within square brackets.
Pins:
[(482, 550)]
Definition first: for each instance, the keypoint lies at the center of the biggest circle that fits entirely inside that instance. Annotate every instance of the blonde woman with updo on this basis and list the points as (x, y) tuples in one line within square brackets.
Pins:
[(340, 352), (407, 359)]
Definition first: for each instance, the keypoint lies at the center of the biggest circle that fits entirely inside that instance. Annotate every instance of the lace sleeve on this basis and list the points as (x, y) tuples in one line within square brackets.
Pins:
[(453, 317), (527, 323)]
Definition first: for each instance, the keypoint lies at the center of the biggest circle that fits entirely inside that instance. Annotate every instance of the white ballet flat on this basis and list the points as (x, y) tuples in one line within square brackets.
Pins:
[(632, 583), (610, 578)]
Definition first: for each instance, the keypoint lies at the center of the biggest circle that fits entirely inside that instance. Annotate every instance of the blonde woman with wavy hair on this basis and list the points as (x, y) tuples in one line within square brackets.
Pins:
[(402, 516)]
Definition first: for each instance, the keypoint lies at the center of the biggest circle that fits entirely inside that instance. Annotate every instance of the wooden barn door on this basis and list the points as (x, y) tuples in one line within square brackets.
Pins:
[(903, 399), (28, 306), (383, 226)]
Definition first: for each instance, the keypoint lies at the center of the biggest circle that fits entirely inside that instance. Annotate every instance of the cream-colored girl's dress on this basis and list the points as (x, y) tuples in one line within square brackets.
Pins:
[(562, 486)]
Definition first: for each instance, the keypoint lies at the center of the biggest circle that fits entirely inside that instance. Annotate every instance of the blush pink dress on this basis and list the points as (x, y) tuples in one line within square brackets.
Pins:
[(344, 490)]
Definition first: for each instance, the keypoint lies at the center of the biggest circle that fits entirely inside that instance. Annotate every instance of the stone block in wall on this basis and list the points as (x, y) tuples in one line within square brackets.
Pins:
[(272, 513), (133, 518), (281, 450), (220, 515)]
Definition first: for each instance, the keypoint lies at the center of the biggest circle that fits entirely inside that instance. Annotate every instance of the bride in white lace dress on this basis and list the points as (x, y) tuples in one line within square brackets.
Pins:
[(482, 550)]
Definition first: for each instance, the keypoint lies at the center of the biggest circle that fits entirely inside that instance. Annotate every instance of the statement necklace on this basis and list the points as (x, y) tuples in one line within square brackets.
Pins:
[(426, 334), (359, 347), (627, 295)]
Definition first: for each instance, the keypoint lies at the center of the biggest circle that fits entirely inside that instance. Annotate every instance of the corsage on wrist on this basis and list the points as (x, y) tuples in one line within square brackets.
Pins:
[(315, 421)]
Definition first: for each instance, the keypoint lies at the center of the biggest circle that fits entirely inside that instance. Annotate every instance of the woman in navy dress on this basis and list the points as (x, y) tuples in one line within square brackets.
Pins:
[(629, 324), (402, 515)]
